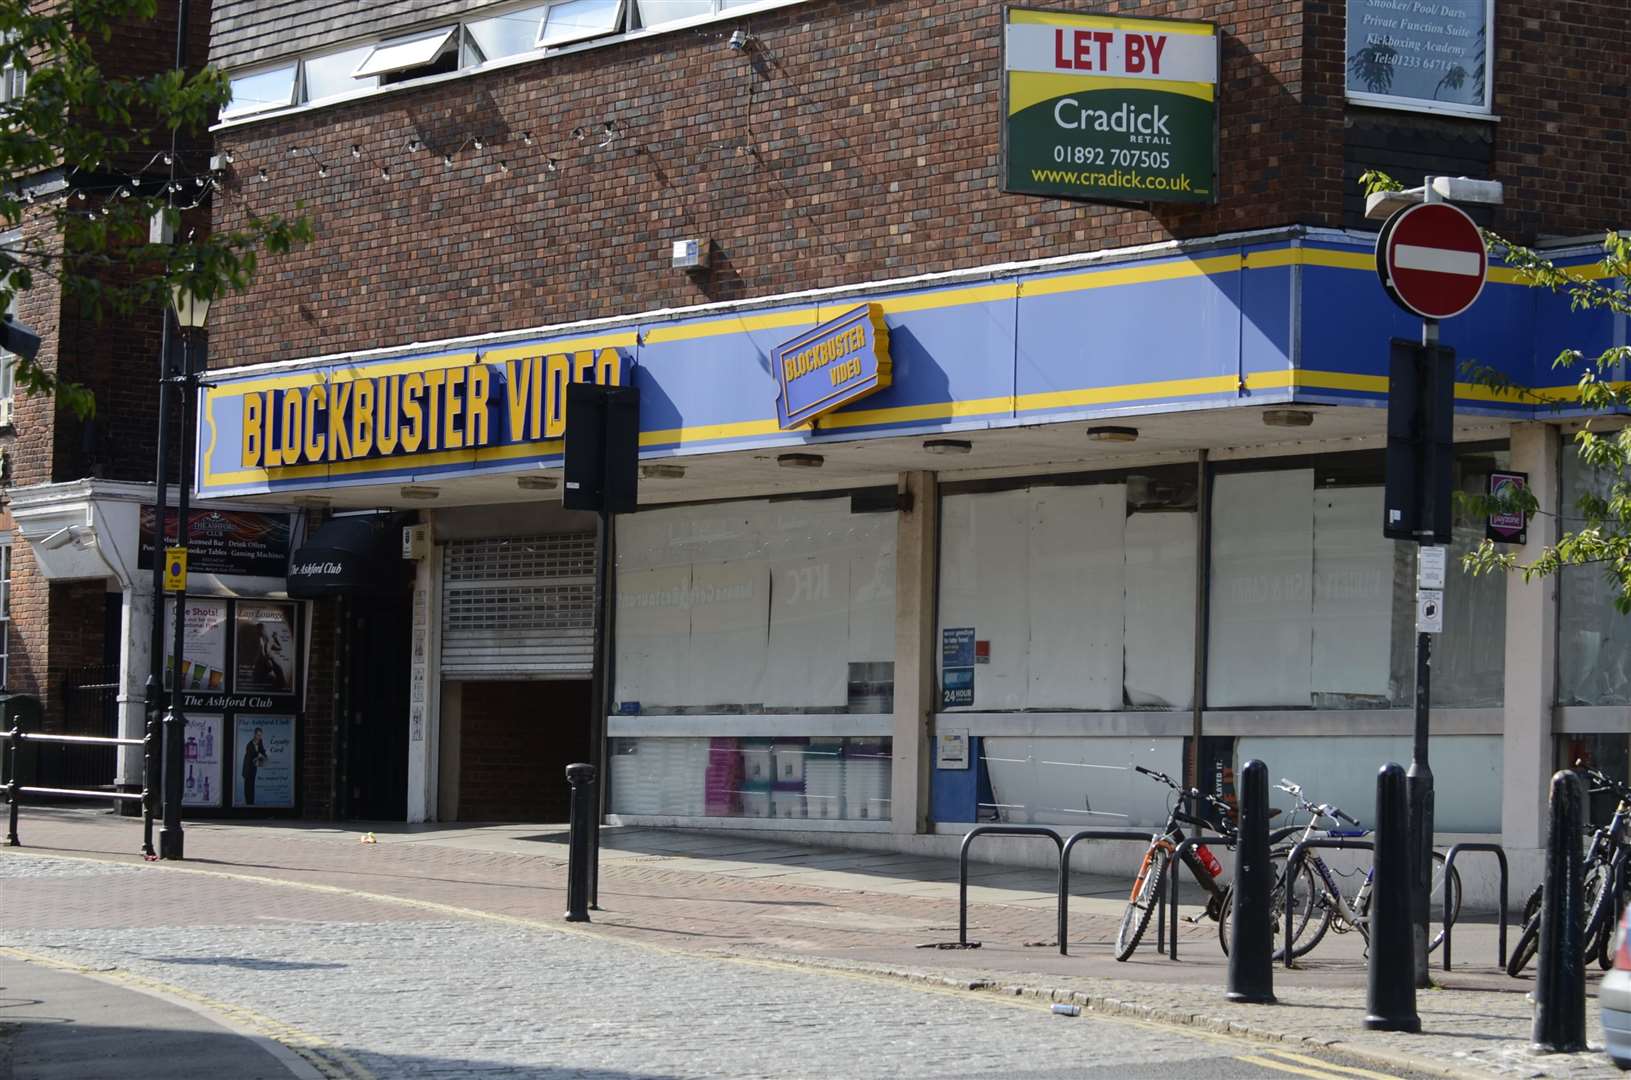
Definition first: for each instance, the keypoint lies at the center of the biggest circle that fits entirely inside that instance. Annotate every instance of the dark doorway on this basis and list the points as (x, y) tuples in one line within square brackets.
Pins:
[(516, 740), (375, 639)]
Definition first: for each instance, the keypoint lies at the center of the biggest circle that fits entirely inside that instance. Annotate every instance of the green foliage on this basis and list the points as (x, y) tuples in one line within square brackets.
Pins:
[(77, 118), (1603, 537), (1373, 180)]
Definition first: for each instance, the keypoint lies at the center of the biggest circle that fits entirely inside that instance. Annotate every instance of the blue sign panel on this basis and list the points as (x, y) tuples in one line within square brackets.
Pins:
[(831, 365)]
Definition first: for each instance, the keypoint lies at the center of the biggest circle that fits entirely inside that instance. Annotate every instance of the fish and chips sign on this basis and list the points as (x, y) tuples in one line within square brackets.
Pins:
[(1107, 108)]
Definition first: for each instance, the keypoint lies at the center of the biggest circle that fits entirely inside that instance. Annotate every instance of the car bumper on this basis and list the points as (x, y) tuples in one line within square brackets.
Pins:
[(1617, 1034)]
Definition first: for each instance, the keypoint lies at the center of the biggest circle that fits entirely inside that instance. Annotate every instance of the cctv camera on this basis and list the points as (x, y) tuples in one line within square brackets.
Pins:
[(740, 40), (61, 538)]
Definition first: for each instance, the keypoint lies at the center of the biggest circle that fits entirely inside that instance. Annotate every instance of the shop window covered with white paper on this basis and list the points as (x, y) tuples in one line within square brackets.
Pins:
[(1594, 639), (1311, 607), (756, 607), (1069, 595)]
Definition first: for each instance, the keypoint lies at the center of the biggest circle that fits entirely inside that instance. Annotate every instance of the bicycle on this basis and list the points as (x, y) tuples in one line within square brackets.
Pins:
[(1146, 893), (1604, 864), (1325, 907)]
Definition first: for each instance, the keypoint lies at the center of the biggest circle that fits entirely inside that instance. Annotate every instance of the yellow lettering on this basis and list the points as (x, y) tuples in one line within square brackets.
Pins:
[(387, 419), (475, 410), (316, 402), (289, 435), (339, 431), (413, 413), (452, 436), (582, 364), (557, 371), (434, 381), (362, 418), (253, 436), (271, 445), (535, 414), (517, 388), (609, 370)]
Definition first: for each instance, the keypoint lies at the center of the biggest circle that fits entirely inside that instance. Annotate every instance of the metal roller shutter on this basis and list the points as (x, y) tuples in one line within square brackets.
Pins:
[(519, 608)]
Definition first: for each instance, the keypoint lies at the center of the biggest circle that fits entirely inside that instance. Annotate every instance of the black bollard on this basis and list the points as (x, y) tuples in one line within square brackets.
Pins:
[(1251, 954), (1560, 967), (1391, 996), (582, 779)]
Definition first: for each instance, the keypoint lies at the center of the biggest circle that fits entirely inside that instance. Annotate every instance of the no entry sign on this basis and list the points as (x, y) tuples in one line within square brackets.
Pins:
[(1431, 260)]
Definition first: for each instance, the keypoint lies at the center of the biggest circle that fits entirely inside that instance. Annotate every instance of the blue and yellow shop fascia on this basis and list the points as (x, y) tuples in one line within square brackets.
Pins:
[(1295, 316)]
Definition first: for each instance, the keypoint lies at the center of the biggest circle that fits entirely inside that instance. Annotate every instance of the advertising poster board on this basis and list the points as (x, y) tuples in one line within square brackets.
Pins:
[(1432, 53), (239, 542), (264, 660), (203, 647), (1109, 108), (263, 761), (206, 743)]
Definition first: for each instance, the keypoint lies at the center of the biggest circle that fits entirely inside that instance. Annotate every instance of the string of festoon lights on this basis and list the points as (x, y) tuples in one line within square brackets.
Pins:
[(501, 155)]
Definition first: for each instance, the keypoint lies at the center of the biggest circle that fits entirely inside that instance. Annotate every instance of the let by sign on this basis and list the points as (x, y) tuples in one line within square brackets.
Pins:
[(838, 362), (1104, 107)]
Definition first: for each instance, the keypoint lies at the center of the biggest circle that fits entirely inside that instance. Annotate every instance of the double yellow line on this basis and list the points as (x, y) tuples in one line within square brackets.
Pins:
[(1303, 1065)]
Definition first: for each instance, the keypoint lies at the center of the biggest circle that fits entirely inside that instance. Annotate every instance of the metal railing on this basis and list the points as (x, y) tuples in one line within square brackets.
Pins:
[(1295, 860), (1143, 836), (1449, 875), (962, 864), (1276, 837), (14, 791)]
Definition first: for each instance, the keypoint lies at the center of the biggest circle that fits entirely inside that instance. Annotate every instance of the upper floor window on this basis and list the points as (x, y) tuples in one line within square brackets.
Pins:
[(13, 78), (529, 27), (257, 91), (1421, 56), (7, 375), (412, 57)]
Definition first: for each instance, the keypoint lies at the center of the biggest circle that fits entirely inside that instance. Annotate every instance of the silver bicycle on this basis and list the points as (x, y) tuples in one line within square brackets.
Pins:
[(1318, 902)]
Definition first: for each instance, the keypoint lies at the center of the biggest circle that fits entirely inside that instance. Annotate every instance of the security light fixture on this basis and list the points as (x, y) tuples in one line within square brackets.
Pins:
[(947, 446), (662, 471), (536, 483), (800, 461), (1380, 205), (420, 493), (1288, 418), (1113, 434), (691, 255)]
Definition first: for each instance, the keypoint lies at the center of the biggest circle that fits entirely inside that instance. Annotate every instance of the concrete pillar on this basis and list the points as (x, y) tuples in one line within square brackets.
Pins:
[(917, 547), (135, 656), (1531, 652)]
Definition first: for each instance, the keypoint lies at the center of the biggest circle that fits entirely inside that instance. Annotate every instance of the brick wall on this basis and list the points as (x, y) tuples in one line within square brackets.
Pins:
[(859, 142)]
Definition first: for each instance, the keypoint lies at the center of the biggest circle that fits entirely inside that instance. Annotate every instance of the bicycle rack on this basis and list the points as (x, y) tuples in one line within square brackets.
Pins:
[(962, 864), (1275, 837), (1064, 874), (1449, 872), (1296, 857)]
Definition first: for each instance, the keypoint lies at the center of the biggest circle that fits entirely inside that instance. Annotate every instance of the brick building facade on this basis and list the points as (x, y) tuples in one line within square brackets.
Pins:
[(1095, 361)]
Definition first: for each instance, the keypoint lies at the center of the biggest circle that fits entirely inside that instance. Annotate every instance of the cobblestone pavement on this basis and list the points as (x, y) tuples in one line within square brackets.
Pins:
[(1477, 1025), (371, 989)]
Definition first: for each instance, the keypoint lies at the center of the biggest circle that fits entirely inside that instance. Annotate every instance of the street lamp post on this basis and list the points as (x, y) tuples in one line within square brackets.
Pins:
[(190, 311)]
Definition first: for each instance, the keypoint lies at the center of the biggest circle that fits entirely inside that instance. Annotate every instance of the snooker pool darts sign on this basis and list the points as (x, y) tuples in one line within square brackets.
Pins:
[(1109, 108)]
